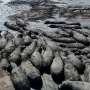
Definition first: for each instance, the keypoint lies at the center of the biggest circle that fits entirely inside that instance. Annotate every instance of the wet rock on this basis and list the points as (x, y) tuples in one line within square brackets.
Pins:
[(86, 50), (65, 26), (12, 27), (20, 22), (51, 35), (42, 12), (48, 83), (47, 57), (52, 44), (87, 72), (19, 40), (80, 37), (88, 55), (63, 55), (3, 42), (37, 59), (85, 32), (75, 61), (54, 22), (73, 23), (19, 79), (4, 64), (41, 42), (9, 47), (64, 40), (27, 52), (62, 33), (27, 40), (8, 35), (70, 72), (74, 85), (15, 56), (57, 65), (32, 73), (82, 77), (72, 45), (57, 69), (30, 2), (39, 50)]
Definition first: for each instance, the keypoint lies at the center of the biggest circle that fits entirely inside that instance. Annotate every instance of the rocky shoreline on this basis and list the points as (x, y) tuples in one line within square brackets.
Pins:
[(39, 52)]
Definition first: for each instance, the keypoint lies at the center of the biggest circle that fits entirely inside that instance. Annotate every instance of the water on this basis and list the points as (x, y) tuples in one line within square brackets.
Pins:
[(6, 11), (5, 1), (85, 22), (73, 2)]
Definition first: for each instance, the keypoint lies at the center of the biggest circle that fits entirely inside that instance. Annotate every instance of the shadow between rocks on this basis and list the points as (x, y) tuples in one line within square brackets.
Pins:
[(36, 84), (58, 78)]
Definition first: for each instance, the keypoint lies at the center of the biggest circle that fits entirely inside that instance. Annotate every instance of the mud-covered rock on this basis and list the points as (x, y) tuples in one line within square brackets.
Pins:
[(5, 81)]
